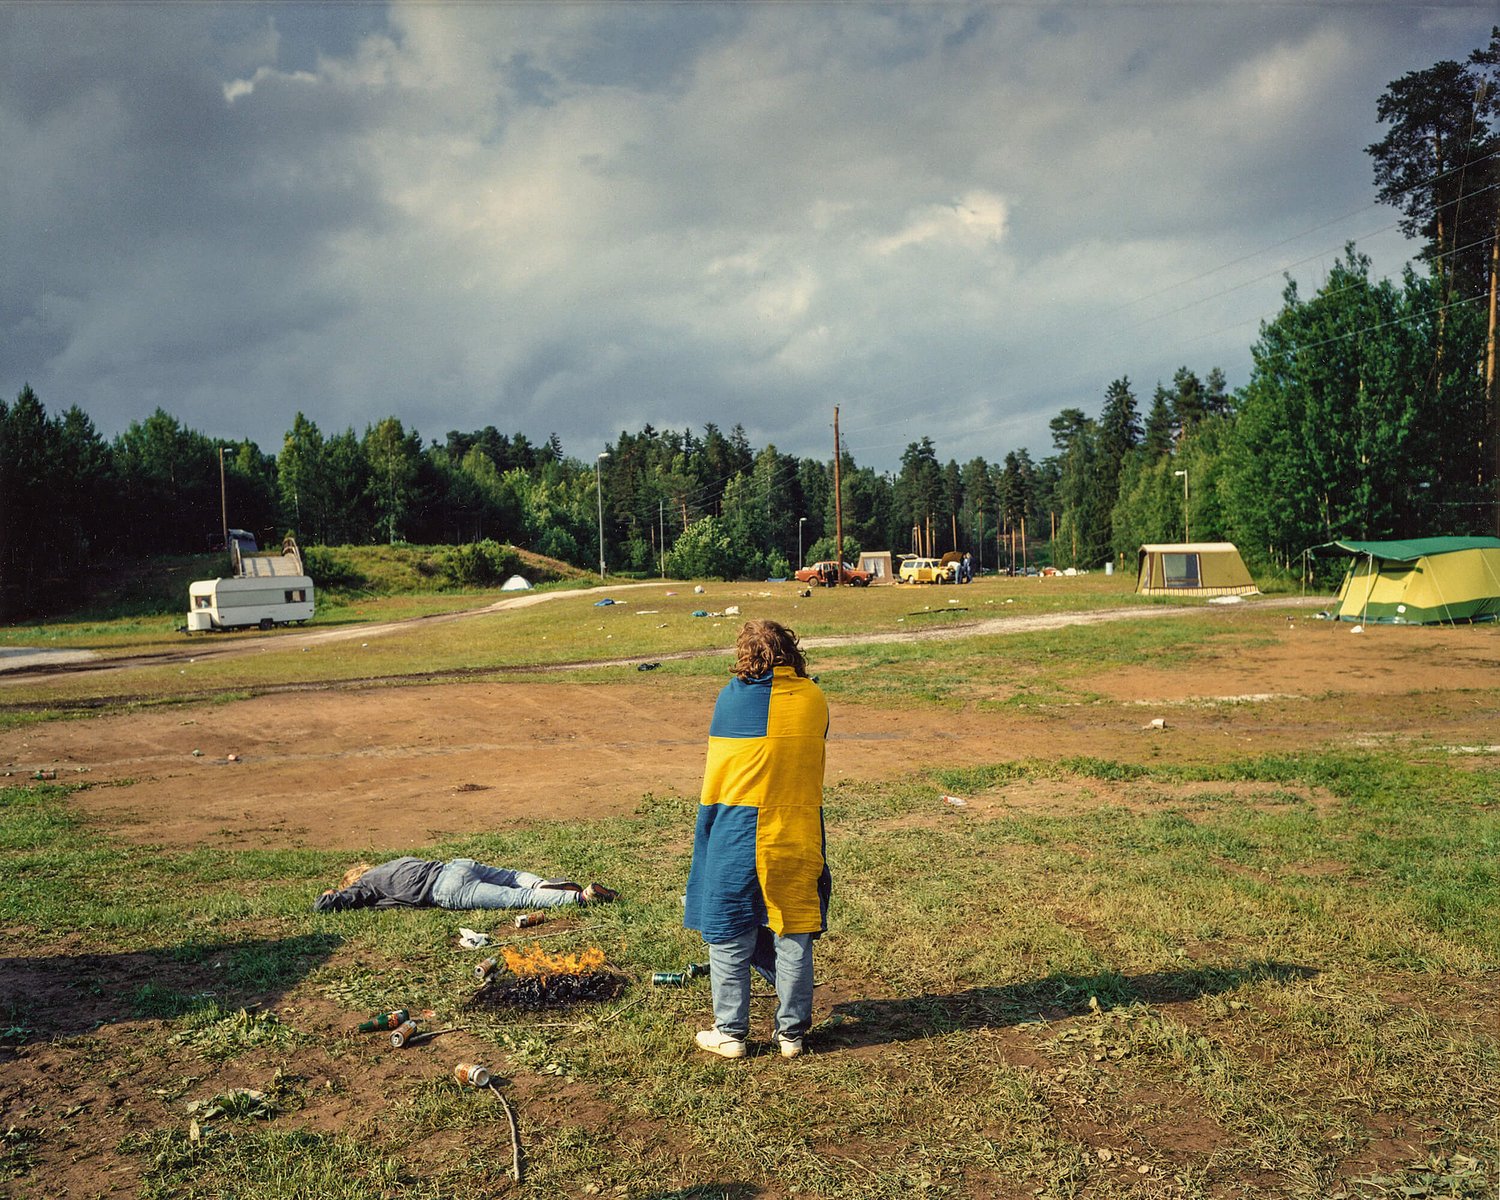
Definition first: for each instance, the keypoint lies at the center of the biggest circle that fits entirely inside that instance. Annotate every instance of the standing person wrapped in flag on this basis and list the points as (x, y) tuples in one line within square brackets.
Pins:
[(759, 885)]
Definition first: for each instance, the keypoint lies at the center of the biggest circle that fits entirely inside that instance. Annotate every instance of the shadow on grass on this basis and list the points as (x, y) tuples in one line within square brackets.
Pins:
[(1054, 998), (61, 995), (710, 1191)]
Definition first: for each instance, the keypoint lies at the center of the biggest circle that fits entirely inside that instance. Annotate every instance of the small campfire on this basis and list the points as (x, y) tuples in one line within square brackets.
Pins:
[(535, 979)]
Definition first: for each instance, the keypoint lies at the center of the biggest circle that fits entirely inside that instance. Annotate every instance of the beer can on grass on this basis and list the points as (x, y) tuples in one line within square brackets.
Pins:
[(403, 1033), (472, 1074), (668, 979), (695, 970), (527, 920), (382, 1021), (485, 969)]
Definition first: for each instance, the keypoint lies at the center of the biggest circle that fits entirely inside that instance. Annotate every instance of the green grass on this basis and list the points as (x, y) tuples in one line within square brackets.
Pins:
[(657, 622), (1264, 978)]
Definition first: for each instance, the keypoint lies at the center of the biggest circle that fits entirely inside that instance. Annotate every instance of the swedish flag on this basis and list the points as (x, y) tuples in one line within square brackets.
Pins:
[(758, 849)]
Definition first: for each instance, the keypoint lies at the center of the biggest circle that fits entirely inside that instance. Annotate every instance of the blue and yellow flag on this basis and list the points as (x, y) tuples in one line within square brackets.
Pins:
[(758, 850)]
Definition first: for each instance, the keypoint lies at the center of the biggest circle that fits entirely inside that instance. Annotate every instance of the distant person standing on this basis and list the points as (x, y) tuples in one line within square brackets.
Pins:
[(759, 884)]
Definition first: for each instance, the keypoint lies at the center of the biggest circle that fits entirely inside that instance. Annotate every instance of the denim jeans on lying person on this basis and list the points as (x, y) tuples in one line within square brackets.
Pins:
[(464, 883), (786, 963)]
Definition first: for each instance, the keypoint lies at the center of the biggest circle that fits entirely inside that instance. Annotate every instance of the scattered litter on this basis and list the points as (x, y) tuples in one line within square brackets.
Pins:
[(698, 612), (805, 593), (956, 801), (669, 593), (697, 589), (472, 939), (1358, 629), (231, 758), (472, 1074), (647, 612), (197, 753), (45, 773), (732, 611), (1226, 600), (472, 787), (605, 603), (1156, 723), (952, 601), (651, 666), (527, 920), (380, 1022)]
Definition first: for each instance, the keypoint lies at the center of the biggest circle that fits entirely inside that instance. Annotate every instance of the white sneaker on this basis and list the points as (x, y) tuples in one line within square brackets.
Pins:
[(790, 1047), (720, 1043)]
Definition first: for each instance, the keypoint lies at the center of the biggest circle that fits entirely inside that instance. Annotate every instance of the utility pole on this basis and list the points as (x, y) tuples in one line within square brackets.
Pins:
[(224, 505), (838, 501), (661, 525)]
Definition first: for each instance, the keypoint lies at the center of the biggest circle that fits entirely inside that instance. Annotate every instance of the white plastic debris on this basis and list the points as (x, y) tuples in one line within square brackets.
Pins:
[(472, 939)]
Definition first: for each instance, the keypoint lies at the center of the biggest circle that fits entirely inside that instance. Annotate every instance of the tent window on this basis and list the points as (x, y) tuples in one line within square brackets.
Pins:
[(1181, 570)]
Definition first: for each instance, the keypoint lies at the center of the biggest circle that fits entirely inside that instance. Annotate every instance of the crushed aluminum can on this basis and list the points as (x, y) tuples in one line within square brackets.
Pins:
[(403, 1034), (482, 971)]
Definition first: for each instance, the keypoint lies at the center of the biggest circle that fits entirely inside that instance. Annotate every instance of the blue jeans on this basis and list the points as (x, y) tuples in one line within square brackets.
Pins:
[(786, 963), (464, 883)]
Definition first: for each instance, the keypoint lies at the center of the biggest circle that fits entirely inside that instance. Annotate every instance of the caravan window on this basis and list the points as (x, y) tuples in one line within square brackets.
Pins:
[(203, 601), (296, 596), (1181, 570)]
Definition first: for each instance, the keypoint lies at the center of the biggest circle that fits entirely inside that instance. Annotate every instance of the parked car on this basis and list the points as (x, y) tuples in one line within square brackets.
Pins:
[(828, 573), (926, 570)]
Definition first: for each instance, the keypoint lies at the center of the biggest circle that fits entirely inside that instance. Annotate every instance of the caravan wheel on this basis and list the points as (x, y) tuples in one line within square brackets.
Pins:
[(266, 624)]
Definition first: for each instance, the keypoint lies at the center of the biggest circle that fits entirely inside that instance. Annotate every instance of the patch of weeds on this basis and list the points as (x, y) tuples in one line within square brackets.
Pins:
[(18, 1149), (217, 1034), (152, 1000), (1439, 1177), (256, 1164)]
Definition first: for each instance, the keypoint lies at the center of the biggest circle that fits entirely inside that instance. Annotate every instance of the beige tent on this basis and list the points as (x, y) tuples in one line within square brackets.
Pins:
[(878, 563), (1193, 569)]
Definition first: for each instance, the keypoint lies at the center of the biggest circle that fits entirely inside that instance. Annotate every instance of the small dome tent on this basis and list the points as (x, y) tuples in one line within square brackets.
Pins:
[(1420, 581), (515, 583), (1193, 569)]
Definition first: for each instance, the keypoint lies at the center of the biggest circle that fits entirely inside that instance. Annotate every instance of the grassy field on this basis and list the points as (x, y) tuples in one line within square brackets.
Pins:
[(1267, 977)]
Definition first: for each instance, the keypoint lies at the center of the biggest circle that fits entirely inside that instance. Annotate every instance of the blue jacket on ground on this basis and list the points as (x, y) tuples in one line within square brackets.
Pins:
[(758, 849)]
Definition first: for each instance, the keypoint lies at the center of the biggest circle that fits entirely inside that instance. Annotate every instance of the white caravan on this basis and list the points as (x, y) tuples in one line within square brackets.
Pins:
[(268, 590)]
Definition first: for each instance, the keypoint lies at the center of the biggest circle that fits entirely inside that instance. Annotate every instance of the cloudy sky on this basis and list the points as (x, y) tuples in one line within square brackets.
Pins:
[(947, 219)]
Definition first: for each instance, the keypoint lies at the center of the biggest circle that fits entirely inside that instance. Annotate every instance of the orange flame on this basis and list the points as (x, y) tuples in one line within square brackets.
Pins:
[(536, 961)]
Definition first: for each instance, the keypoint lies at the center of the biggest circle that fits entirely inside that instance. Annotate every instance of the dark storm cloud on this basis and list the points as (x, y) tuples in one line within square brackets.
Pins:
[(951, 220)]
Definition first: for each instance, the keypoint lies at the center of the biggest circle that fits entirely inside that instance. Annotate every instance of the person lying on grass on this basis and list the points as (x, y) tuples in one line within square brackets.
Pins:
[(460, 883)]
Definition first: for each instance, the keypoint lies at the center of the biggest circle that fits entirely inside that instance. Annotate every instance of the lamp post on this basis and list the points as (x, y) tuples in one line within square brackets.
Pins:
[(801, 521), (1185, 535), (599, 493)]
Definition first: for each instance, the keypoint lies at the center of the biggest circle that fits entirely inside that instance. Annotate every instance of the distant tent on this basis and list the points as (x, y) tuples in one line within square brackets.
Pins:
[(1422, 581), (1193, 569), (515, 584)]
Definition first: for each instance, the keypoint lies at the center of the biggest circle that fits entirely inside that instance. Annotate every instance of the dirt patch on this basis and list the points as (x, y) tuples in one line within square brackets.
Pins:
[(390, 768)]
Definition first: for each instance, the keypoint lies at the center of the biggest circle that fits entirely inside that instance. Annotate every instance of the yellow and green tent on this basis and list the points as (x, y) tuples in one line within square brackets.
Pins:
[(1192, 569), (1421, 581)]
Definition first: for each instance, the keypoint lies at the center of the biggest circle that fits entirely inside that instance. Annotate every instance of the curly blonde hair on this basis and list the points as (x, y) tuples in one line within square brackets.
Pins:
[(762, 645), (351, 876)]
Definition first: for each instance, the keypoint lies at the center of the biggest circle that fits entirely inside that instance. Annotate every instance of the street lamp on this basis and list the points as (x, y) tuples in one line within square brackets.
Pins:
[(1185, 536), (801, 521), (599, 492)]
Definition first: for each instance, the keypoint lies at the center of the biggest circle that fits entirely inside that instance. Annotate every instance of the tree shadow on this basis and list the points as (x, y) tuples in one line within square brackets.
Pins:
[(61, 995), (1053, 998)]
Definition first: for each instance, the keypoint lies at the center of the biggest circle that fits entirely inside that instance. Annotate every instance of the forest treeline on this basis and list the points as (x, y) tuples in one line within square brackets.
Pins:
[(1372, 410)]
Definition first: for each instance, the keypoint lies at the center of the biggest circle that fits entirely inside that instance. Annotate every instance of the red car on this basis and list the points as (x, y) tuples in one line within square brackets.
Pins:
[(827, 574)]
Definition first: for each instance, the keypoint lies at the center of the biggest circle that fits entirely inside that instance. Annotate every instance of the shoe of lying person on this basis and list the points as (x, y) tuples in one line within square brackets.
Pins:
[(722, 1044), (597, 893)]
